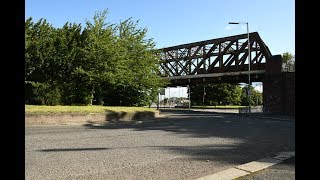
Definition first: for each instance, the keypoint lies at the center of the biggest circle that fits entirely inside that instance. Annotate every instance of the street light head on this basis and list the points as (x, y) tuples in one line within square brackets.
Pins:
[(238, 23)]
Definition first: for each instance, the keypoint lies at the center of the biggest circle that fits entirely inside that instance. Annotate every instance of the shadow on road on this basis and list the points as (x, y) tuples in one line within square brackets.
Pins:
[(254, 138), (73, 149)]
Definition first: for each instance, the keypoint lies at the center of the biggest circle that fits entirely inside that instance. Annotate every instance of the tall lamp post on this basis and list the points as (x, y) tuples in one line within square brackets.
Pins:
[(249, 61)]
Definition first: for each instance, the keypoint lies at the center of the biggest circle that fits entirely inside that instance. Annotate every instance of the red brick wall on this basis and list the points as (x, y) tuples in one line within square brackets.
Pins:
[(272, 95), (289, 85), (278, 88), (272, 86)]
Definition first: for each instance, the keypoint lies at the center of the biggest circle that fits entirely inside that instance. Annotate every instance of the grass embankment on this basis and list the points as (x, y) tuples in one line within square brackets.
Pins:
[(217, 107), (37, 109)]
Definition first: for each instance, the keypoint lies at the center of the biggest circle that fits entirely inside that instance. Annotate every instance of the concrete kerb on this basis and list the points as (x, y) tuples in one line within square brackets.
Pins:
[(261, 117), (269, 117), (253, 115), (114, 118), (249, 168)]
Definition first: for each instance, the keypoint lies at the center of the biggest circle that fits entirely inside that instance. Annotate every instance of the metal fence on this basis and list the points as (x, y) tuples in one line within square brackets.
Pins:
[(290, 68), (245, 110)]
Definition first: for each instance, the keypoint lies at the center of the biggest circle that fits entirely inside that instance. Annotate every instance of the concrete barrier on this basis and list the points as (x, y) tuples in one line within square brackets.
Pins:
[(85, 118), (245, 110)]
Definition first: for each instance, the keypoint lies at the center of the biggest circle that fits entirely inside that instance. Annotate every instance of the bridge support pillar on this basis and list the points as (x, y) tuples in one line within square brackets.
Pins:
[(278, 88)]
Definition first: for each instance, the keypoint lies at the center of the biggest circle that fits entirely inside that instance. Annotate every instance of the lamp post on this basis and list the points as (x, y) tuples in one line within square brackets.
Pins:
[(204, 93), (249, 61)]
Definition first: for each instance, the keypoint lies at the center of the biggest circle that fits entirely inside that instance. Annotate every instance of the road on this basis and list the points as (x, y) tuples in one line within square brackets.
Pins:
[(183, 145)]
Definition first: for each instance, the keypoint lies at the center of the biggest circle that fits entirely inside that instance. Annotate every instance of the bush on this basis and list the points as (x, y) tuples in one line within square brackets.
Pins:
[(44, 94)]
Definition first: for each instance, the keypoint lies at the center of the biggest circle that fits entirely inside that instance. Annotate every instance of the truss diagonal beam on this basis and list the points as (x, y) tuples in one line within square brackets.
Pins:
[(232, 51)]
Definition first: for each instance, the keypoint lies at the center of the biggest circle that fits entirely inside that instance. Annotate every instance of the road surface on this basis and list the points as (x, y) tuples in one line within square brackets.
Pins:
[(183, 145)]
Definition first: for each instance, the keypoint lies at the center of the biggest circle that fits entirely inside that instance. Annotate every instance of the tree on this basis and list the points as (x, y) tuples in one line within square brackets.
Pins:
[(51, 55), (41, 72), (286, 57), (103, 64), (216, 94), (98, 64), (288, 62), (255, 98), (70, 43), (137, 62)]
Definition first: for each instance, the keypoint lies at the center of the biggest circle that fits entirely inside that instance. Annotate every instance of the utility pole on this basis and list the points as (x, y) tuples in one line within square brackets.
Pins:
[(189, 95), (204, 93), (249, 62)]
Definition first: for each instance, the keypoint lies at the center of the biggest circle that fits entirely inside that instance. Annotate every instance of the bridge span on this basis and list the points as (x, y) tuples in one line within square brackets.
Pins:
[(225, 60)]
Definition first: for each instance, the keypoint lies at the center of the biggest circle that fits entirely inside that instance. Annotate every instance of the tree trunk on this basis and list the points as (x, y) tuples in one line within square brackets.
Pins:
[(91, 100)]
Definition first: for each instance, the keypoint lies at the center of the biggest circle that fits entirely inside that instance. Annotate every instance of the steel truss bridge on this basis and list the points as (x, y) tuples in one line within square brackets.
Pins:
[(216, 60)]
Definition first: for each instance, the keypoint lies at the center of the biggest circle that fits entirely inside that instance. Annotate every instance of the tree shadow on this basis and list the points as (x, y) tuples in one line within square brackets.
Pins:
[(116, 117), (257, 138), (73, 149), (113, 116)]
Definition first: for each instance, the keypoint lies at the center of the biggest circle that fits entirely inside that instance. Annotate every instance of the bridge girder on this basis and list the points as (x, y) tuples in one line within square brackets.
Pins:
[(222, 55)]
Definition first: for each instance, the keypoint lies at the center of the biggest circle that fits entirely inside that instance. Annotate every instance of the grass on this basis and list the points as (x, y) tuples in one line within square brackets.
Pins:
[(218, 107), (37, 109)]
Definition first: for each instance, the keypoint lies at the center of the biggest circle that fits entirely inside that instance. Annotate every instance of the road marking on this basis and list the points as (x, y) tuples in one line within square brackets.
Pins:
[(258, 165), (249, 167), (227, 174)]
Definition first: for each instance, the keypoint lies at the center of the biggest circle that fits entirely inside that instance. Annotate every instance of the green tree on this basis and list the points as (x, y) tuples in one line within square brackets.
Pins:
[(138, 64), (40, 64), (70, 43), (98, 64), (216, 94), (255, 96), (103, 64), (50, 56), (288, 61), (286, 57), (234, 96)]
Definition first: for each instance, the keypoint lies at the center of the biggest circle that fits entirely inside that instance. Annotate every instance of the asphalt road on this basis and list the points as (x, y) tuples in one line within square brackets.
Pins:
[(185, 145)]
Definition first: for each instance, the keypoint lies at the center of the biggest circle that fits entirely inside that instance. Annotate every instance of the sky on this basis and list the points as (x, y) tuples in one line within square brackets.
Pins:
[(174, 22)]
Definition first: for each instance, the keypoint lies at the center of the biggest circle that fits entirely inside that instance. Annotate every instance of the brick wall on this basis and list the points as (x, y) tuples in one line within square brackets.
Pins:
[(289, 85), (272, 86), (278, 88)]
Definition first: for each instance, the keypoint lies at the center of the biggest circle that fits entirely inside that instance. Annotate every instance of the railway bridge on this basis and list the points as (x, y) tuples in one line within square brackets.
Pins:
[(226, 60)]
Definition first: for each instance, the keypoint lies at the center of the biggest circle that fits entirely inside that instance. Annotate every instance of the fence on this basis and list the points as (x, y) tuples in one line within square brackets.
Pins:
[(245, 110)]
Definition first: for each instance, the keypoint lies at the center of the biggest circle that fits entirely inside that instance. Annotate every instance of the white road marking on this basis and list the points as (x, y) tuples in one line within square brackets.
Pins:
[(249, 167)]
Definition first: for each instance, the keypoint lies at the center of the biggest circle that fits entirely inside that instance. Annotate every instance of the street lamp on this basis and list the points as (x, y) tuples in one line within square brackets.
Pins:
[(249, 61)]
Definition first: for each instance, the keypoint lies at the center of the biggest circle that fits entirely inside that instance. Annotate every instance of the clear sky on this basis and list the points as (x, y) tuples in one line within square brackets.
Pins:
[(174, 22)]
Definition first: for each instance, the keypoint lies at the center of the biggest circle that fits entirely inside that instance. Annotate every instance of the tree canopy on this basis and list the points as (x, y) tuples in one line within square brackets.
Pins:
[(223, 94), (286, 57), (102, 63)]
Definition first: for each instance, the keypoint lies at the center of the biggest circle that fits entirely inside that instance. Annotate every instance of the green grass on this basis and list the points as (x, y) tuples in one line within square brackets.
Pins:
[(36, 109), (218, 107)]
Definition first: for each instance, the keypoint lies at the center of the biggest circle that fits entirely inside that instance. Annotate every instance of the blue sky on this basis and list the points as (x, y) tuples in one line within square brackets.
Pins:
[(174, 22)]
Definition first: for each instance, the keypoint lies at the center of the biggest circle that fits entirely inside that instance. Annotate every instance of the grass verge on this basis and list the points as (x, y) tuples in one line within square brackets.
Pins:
[(37, 109)]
